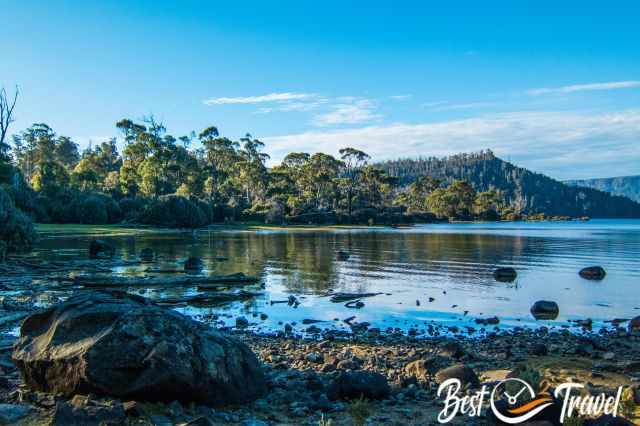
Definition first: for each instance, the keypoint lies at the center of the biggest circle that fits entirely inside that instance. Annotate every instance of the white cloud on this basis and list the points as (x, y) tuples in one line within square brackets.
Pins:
[(562, 144), (271, 97), (400, 97), (585, 87), (349, 111), (445, 106)]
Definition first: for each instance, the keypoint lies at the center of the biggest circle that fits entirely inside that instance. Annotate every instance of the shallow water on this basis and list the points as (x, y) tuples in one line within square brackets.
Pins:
[(407, 265)]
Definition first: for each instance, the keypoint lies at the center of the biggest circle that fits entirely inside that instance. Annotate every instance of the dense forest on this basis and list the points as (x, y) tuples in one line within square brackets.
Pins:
[(524, 191), (198, 179), (626, 186)]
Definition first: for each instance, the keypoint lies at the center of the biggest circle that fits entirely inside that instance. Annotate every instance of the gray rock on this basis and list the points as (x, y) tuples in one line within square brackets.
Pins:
[(242, 322), (66, 414), (459, 371), (11, 413), (358, 384), (119, 344), (539, 349)]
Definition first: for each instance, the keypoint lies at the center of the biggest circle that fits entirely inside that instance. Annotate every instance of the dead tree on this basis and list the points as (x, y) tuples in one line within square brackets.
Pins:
[(6, 113)]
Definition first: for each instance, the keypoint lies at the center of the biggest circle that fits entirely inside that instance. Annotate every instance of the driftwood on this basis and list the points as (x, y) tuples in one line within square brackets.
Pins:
[(345, 297), (209, 299), (146, 281)]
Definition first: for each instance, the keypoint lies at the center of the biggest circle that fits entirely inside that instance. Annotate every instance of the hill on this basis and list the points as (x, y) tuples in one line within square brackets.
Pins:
[(530, 192), (626, 186)]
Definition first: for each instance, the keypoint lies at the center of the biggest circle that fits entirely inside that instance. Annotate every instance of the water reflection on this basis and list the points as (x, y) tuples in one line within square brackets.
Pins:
[(452, 264)]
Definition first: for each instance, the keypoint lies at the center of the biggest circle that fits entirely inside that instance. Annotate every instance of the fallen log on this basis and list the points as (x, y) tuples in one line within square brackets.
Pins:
[(209, 299), (345, 297), (147, 281)]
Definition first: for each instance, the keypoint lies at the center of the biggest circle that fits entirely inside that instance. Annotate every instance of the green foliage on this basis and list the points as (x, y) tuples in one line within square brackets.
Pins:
[(359, 410), (522, 191), (16, 229), (174, 212)]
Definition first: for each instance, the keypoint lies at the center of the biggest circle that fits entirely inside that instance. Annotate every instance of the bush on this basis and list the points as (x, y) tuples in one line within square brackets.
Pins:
[(131, 208), (173, 212), (16, 229), (92, 210)]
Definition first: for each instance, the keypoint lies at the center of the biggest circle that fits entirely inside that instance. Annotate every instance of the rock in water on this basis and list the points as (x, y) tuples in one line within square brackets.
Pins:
[(101, 248), (545, 310), (123, 345), (634, 325), (505, 275), (146, 255), (193, 264), (593, 273)]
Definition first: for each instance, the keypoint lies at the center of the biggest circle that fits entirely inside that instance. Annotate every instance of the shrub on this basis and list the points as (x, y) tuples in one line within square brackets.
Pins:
[(16, 229), (173, 212), (93, 211)]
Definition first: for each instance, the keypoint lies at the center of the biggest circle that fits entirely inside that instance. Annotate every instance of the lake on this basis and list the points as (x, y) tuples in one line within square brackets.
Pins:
[(451, 263)]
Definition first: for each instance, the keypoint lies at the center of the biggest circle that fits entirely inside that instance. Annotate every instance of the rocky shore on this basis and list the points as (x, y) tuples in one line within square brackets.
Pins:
[(86, 355)]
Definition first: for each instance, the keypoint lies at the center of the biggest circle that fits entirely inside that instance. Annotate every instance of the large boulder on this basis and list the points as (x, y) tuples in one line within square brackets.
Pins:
[(123, 345)]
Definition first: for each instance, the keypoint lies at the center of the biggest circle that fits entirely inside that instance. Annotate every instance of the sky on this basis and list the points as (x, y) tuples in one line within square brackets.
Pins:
[(551, 86)]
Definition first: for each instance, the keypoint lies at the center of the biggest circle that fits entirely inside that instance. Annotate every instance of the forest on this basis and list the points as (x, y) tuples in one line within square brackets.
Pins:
[(194, 180)]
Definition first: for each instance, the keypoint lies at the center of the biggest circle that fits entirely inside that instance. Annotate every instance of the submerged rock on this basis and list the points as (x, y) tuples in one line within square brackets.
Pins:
[(193, 264), (358, 384), (593, 273), (146, 254), (545, 310), (101, 248), (123, 345), (505, 274)]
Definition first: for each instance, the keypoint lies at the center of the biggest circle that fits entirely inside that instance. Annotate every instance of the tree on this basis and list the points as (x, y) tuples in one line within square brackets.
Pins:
[(354, 160), (454, 202), (66, 152), (7, 105)]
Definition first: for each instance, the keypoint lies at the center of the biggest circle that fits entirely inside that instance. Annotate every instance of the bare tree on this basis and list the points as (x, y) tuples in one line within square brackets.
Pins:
[(6, 112)]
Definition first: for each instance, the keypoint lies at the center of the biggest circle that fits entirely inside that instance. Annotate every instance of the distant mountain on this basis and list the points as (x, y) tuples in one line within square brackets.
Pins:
[(627, 186), (530, 192)]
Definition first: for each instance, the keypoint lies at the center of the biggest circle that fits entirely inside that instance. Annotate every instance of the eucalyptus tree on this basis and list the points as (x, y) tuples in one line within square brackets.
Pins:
[(354, 160)]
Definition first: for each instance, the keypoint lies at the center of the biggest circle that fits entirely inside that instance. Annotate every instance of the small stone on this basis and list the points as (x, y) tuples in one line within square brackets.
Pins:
[(593, 273), (242, 322), (545, 310), (539, 349)]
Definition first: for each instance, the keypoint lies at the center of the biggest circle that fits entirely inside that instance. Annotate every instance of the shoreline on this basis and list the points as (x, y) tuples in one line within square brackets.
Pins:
[(300, 370)]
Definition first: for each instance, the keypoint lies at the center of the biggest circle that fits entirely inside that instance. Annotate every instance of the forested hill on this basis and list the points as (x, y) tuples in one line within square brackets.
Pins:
[(530, 192), (627, 186)]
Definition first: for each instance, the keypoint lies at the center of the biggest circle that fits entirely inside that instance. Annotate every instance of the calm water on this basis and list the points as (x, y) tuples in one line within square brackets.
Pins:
[(407, 265)]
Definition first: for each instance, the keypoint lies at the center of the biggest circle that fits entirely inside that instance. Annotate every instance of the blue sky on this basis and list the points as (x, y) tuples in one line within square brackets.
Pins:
[(552, 86)]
